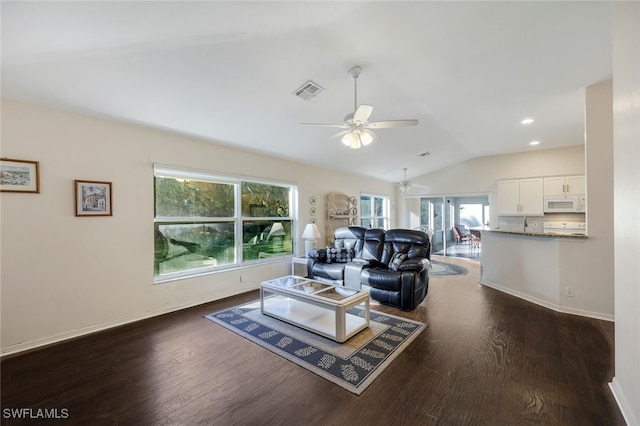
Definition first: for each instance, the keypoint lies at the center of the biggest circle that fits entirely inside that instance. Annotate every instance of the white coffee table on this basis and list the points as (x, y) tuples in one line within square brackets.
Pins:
[(318, 307)]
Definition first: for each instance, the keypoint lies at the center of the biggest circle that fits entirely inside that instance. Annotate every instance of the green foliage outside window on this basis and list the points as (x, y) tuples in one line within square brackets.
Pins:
[(193, 198), (264, 200)]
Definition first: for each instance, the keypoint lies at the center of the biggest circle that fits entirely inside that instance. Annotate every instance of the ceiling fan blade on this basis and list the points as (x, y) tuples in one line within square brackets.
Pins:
[(362, 114), (392, 123), (340, 126)]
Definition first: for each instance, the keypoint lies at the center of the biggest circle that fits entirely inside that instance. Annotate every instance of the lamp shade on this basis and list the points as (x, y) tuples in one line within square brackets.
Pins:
[(366, 137), (311, 232), (349, 139)]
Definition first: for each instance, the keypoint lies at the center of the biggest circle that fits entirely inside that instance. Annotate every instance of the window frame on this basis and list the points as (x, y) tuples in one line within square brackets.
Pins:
[(386, 206), (176, 172)]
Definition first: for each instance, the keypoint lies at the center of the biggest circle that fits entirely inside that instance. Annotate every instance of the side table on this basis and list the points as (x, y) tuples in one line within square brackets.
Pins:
[(299, 260)]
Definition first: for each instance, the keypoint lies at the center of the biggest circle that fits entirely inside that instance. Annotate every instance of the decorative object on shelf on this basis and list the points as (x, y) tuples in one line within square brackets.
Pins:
[(93, 198), (19, 176), (310, 234), (312, 211), (354, 201), (312, 200)]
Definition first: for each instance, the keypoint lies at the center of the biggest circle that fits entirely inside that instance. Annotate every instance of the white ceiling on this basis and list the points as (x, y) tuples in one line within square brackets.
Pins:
[(226, 71)]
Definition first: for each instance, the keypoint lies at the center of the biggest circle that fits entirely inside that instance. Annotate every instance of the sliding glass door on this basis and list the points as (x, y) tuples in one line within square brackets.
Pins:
[(438, 215)]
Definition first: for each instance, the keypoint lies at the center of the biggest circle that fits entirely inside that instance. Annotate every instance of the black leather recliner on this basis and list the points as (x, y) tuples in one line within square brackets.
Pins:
[(400, 277), (394, 263)]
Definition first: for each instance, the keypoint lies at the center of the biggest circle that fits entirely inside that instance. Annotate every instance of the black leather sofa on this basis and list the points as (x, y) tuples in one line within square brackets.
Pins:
[(393, 263)]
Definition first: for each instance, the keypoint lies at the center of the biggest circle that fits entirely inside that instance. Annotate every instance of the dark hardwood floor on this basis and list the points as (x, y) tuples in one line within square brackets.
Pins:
[(486, 358)]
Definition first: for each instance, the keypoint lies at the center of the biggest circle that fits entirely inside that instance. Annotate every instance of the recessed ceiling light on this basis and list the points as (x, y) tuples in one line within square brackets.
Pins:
[(534, 143), (527, 121)]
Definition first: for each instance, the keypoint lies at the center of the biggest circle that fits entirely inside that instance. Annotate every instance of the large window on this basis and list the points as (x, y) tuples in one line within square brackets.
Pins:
[(207, 222), (374, 211)]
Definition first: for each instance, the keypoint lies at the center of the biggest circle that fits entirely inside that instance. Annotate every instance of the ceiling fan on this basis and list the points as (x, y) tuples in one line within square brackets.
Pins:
[(406, 185), (359, 130)]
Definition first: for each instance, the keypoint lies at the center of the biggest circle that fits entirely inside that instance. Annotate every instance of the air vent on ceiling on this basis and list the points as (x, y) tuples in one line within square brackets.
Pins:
[(308, 91)]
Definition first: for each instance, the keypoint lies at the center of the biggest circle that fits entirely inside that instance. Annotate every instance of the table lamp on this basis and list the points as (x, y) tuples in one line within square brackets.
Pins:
[(310, 235)]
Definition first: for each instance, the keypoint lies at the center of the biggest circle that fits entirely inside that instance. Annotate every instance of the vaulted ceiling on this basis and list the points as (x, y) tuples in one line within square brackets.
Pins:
[(226, 72)]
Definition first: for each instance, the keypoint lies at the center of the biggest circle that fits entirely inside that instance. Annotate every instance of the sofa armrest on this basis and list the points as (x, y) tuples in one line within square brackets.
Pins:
[(415, 264), (319, 255)]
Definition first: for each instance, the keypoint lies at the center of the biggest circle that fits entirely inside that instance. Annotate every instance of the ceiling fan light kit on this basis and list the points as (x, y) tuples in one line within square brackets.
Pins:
[(357, 138), (357, 125)]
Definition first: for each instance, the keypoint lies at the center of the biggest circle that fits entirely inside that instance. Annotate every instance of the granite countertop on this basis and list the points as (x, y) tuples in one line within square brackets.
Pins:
[(532, 234)]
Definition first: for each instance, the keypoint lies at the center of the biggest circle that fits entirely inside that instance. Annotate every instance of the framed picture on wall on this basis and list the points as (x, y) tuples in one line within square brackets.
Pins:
[(93, 198), (19, 176)]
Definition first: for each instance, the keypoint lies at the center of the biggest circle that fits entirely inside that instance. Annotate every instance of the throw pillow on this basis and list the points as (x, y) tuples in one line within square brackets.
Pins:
[(396, 261), (339, 255)]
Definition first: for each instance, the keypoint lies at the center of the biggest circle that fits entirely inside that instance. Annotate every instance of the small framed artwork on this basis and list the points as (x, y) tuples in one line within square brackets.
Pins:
[(93, 198), (19, 176)]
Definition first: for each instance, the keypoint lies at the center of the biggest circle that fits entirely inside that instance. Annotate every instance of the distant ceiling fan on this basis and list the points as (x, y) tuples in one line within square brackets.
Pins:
[(406, 185), (359, 131)]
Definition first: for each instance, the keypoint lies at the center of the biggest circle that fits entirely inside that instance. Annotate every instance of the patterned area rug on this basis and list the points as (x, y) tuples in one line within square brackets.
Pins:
[(353, 364), (439, 269)]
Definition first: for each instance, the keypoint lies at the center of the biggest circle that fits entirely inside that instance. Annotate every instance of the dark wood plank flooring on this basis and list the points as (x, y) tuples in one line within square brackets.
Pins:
[(486, 358)]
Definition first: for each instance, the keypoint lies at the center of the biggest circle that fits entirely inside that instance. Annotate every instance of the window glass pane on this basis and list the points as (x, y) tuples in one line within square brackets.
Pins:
[(263, 200), (189, 246), (365, 206), (379, 206), (471, 215), (366, 223), (262, 239), (193, 198)]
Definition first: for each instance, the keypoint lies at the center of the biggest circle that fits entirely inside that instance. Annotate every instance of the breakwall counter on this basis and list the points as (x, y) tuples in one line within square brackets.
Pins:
[(530, 266)]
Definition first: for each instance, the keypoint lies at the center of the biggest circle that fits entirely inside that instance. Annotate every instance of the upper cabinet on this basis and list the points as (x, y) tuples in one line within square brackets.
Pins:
[(564, 185), (520, 196)]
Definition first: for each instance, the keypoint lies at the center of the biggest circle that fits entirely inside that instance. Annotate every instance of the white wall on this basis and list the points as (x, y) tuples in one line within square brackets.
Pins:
[(626, 151), (478, 175), (64, 275)]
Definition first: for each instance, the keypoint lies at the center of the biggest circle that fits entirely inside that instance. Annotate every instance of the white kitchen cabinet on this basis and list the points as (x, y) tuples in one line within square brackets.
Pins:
[(520, 197), (564, 185)]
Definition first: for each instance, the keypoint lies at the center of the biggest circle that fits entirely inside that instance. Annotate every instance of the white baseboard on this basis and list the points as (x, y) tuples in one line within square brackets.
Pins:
[(20, 347), (547, 304), (623, 403)]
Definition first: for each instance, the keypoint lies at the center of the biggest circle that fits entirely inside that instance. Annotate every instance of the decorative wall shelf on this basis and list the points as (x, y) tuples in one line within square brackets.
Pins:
[(342, 211)]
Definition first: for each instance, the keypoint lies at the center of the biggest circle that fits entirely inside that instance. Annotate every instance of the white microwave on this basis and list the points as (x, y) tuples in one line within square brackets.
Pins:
[(564, 204)]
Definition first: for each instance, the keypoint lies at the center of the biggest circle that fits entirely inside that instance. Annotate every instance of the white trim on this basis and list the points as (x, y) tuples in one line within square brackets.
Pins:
[(549, 305), (623, 403)]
